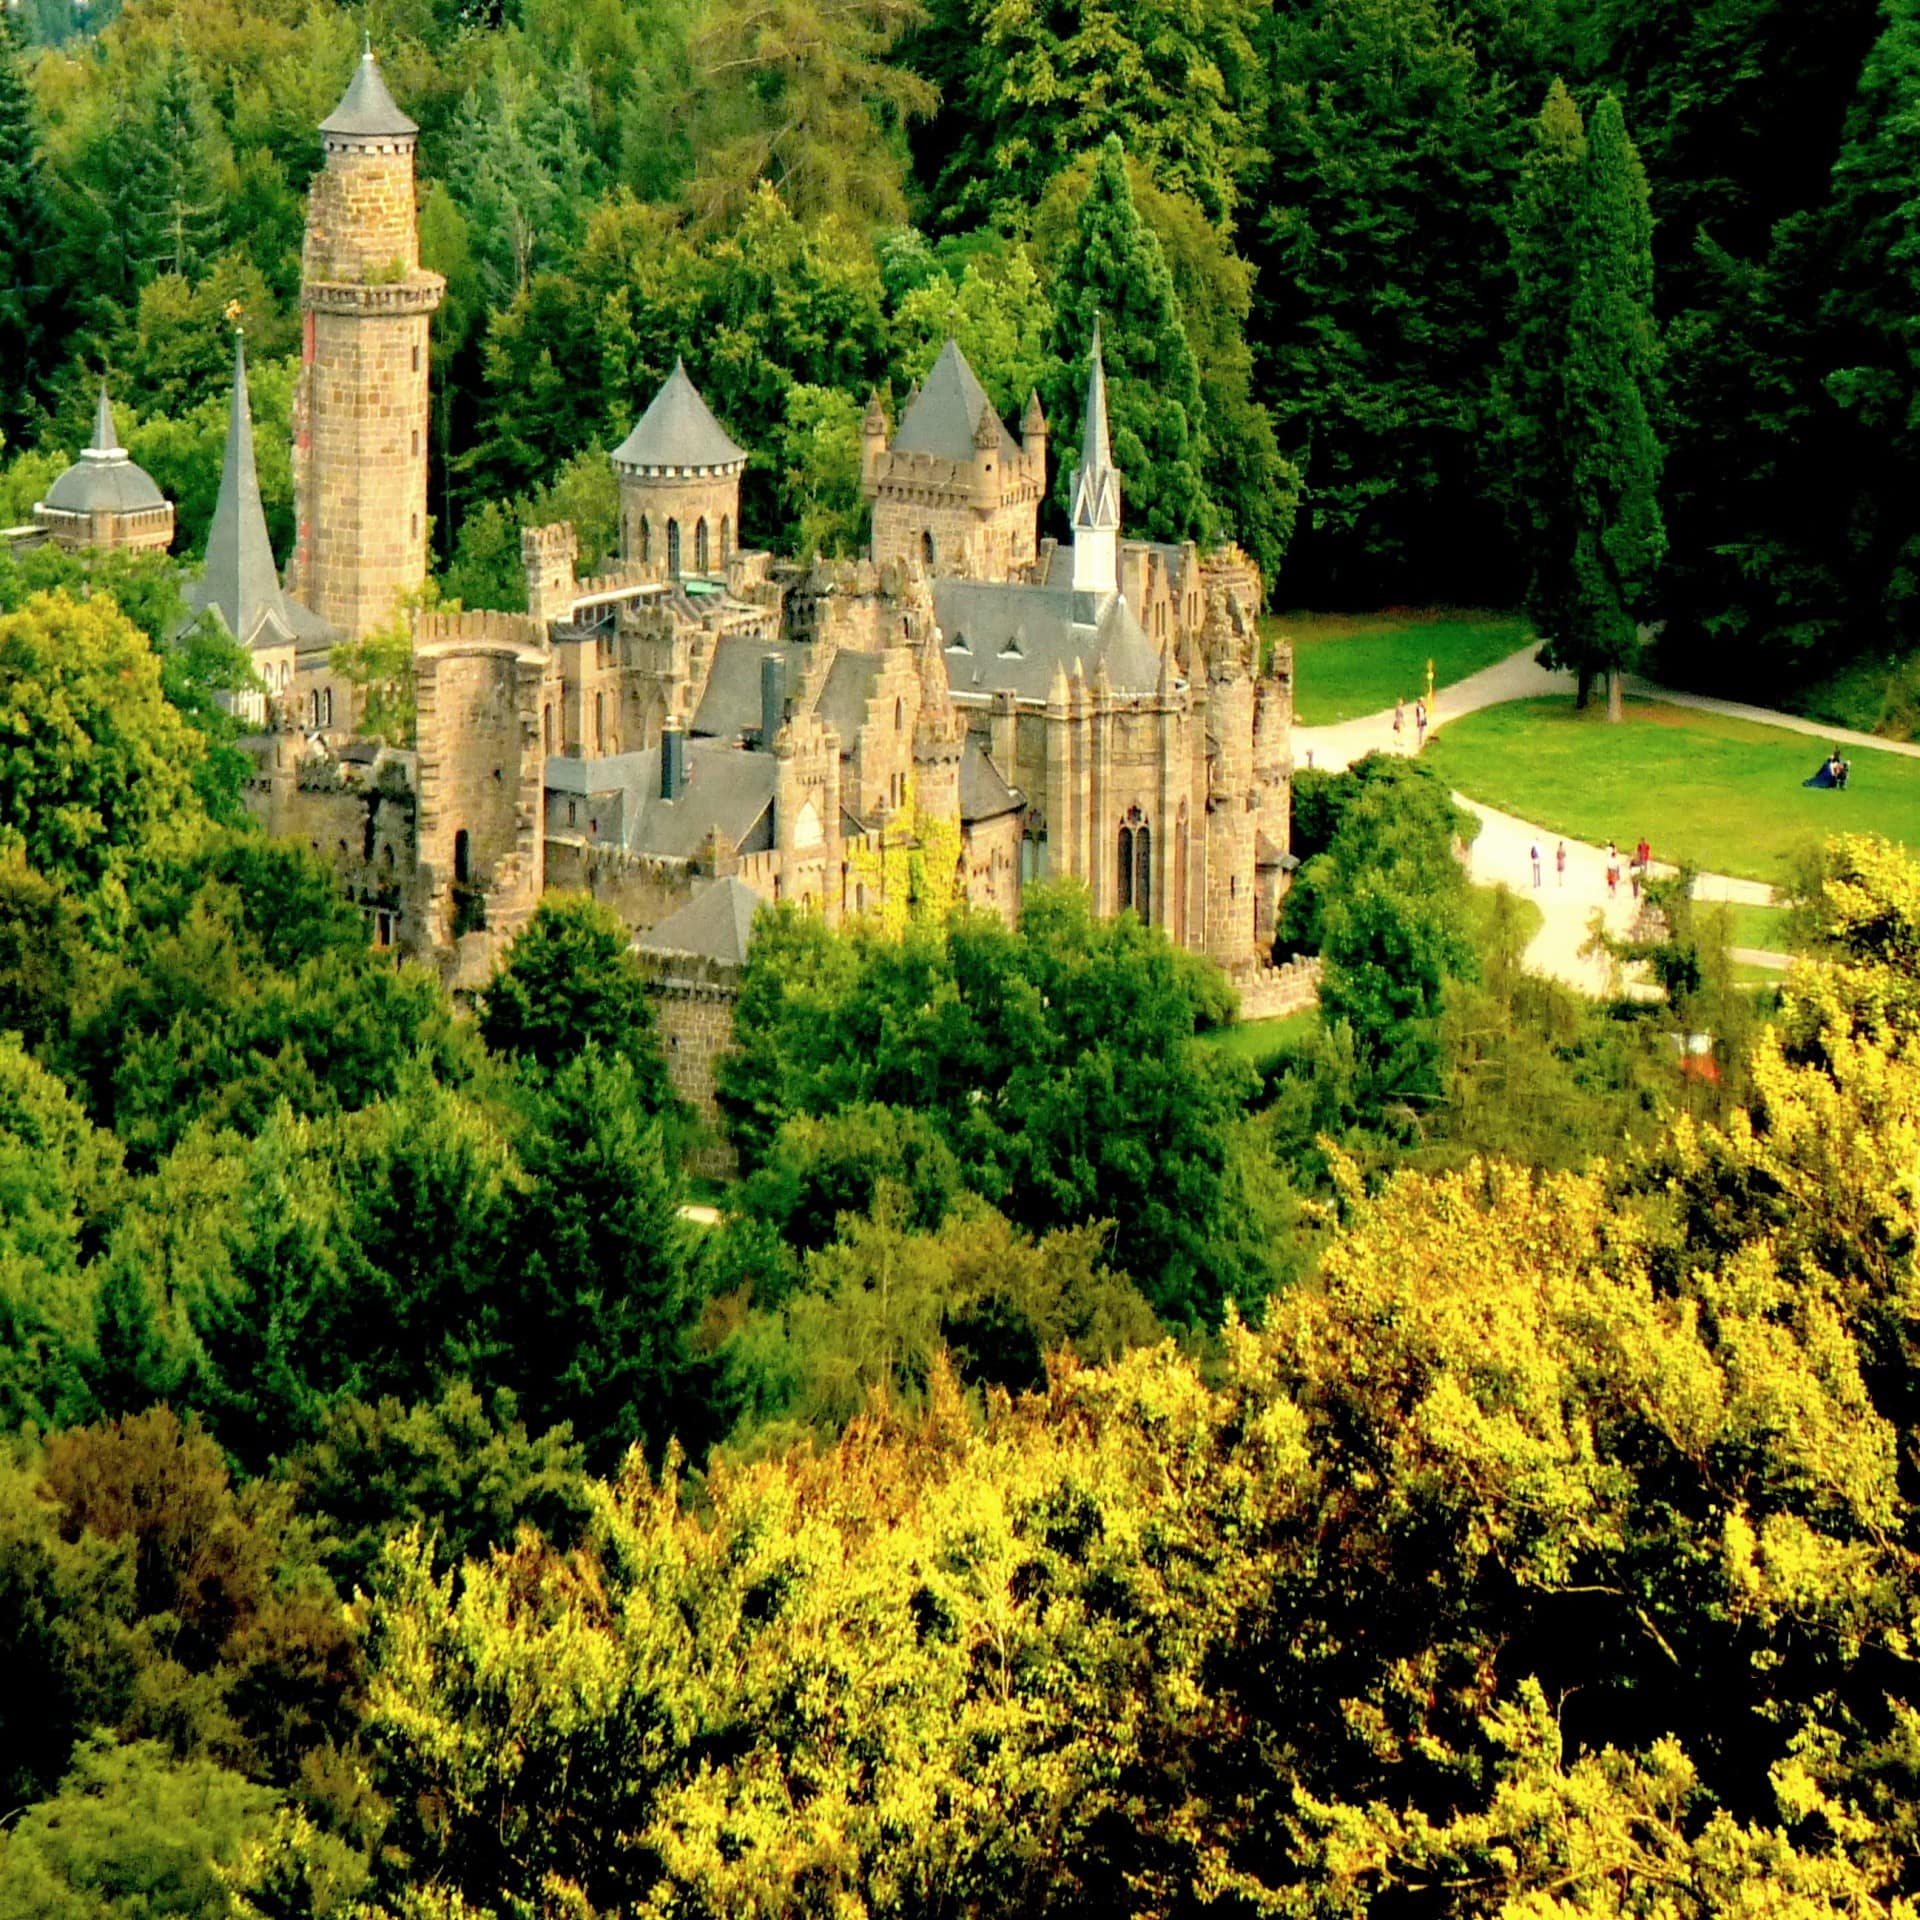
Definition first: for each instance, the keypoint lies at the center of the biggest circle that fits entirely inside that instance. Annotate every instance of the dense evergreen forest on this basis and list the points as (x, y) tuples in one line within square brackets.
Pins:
[(1371, 247), (1455, 1462)]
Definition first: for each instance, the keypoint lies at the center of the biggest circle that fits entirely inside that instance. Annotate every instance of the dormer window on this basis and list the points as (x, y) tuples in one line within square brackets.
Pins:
[(958, 644), (1016, 645)]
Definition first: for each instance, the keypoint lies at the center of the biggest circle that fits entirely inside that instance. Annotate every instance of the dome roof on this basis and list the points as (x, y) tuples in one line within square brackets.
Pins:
[(678, 430), (103, 479)]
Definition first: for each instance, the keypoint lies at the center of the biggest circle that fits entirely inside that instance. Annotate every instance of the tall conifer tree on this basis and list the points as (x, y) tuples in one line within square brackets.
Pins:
[(1612, 367), (1537, 410), (26, 242), (1581, 379), (173, 217), (1114, 268)]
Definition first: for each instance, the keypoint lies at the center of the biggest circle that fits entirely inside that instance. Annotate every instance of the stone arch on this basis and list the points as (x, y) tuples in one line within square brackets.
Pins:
[(702, 559)]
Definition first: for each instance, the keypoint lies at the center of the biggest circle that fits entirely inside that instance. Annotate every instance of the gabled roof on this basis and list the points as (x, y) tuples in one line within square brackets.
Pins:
[(716, 924), (1016, 636), (943, 416), (103, 479), (730, 701), (367, 110), (843, 700), (984, 795), (678, 430), (726, 788)]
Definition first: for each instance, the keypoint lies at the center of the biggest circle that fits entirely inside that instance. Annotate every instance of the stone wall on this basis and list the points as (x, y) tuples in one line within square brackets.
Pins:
[(1266, 993), (651, 505), (360, 213), (640, 889), (693, 1000)]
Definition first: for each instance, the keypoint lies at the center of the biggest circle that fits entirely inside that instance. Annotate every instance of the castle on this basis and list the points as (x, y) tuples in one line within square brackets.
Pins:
[(703, 726)]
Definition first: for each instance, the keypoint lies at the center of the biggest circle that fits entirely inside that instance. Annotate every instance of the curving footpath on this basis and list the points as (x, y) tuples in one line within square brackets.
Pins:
[(1502, 855)]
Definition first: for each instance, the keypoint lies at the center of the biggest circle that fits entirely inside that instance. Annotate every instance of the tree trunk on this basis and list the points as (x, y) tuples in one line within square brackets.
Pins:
[(1583, 688), (1616, 695)]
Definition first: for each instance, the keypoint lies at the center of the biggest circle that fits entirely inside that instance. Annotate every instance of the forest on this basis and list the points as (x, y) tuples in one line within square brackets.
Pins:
[(1360, 208), (1453, 1459)]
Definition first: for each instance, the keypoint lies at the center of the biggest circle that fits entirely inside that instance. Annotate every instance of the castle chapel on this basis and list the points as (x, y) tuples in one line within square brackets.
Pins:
[(702, 726)]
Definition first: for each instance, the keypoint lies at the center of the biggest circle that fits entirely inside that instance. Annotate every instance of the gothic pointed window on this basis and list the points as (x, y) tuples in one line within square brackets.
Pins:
[(926, 551), (673, 549), (1126, 870), (701, 558), (461, 857), (1143, 874), (646, 541)]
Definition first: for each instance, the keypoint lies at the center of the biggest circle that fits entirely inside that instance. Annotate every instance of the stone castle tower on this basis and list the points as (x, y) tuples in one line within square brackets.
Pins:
[(360, 412)]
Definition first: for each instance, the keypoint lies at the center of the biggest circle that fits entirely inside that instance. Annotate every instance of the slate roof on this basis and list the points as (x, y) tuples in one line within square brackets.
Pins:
[(983, 794), (726, 788), (941, 418), (1011, 638), (103, 479), (716, 924), (730, 701), (678, 430), (843, 700), (367, 109), (240, 581)]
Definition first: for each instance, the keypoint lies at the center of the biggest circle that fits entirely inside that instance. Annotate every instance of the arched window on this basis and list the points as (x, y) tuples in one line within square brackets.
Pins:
[(326, 708), (899, 716), (546, 729), (1143, 873), (702, 562), (1126, 869), (726, 538), (926, 550), (599, 723), (460, 858), (646, 541), (313, 709), (1177, 916), (673, 549)]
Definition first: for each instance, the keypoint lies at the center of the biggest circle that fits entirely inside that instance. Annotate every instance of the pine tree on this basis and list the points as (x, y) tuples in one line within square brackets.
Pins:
[(1114, 268), (1612, 366), (172, 209), (27, 329), (1537, 417)]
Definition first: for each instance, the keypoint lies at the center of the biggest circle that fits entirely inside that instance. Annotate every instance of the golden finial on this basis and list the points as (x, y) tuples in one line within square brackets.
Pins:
[(234, 311)]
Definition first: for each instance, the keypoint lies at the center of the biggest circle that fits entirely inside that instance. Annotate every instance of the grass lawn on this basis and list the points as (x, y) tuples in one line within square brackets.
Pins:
[(1259, 1041), (1719, 794), (1761, 927), (1346, 665)]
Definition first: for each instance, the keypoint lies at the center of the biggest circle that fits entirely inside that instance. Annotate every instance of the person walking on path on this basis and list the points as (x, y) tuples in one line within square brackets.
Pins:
[(1419, 725), (1535, 850), (1643, 856), (1399, 722), (1560, 862)]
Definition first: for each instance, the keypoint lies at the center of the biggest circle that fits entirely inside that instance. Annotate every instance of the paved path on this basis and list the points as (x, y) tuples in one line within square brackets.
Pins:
[(1503, 852), (1766, 717)]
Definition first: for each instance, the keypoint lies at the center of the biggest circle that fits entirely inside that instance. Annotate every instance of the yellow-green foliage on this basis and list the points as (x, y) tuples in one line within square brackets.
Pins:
[(913, 878), (1549, 1556)]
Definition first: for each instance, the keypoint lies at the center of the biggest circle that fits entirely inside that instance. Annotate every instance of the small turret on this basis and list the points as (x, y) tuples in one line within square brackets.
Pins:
[(1033, 438), (873, 443)]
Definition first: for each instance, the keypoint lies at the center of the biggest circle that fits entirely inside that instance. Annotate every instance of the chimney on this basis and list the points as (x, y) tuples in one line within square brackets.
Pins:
[(773, 698), (673, 760)]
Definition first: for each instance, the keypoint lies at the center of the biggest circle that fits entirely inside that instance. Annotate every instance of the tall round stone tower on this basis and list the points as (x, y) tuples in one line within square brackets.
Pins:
[(360, 412)]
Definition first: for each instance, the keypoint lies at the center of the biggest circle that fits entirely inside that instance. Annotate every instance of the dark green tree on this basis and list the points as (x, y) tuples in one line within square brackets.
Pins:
[(172, 215), (1612, 375), (1535, 409), (570, 981), (1114, 269), (28, 302)]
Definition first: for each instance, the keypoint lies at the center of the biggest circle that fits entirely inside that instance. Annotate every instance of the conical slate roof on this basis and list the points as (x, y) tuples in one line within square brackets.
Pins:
[(716, 924), (1096, 486), (678, 430), (103, 479), (367, 109), (240, 578), (943, 416)]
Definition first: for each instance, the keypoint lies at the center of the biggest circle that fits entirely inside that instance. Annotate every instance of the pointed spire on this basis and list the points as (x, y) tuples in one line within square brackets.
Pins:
[(106, 442), (1033, 420), (1096, 486), (240, 577)]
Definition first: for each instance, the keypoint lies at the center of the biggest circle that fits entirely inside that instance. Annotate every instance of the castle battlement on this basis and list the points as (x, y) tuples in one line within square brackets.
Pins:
[(478, 631)]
